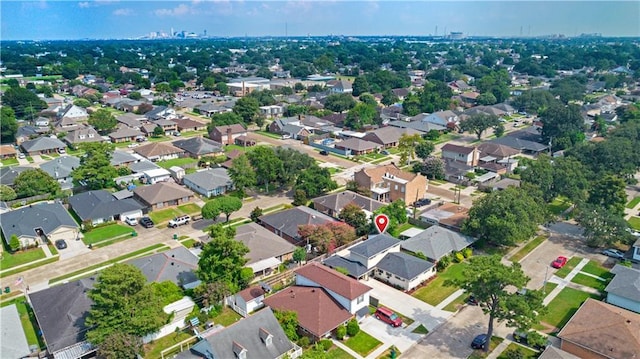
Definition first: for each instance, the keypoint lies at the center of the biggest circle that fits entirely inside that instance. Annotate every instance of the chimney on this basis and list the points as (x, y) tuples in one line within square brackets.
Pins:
[(229, 135)]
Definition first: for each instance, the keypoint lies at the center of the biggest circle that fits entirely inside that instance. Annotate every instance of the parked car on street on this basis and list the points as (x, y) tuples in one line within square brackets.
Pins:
[(146, 222), (179, 221), (388, 316), (559, 262), (613, 253), (61, 244), (479, 341)]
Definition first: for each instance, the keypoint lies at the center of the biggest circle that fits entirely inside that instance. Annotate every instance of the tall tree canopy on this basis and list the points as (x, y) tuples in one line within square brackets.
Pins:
[(8, 124), (562, 125), (241, 173), (103, 121), (95, 167), (34, 182), (223, 258), (479, 123)]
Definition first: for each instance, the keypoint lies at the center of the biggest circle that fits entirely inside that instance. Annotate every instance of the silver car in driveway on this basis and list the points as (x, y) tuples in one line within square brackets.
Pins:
[(613, 253)]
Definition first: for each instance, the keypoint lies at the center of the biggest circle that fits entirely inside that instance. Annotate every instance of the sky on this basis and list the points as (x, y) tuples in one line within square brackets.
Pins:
[(113, 19)]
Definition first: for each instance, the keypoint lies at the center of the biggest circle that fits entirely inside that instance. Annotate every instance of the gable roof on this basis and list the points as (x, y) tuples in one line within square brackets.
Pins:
[(61, 312), (251, 293), (235, 128), (42, 144), (177, 265), (357, 144), (6, 150), (318, 312), (337, 201), (387, 135), (552, 352), (101, 204), (24, 221), (125, 132), (9, 174), (457, 149), (332, 280), (404, 265), (287, 221), (61, 167), (374, 245), (626, 283), (161, 192), (355, 268), (199, 146), (605, 329), (421, 126), (435, 242), (157, 149), (83, 134), (496, 150), (261, 242), (210, 178), (250, 334), (14, 342), (377, 173)]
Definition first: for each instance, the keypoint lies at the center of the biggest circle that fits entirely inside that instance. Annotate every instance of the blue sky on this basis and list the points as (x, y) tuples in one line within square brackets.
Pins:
[(41, 20)]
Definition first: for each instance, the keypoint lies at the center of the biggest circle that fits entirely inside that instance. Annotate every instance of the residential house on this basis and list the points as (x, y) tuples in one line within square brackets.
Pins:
[(635, 250), (156, 175), (210, 109), (371, 251), (459, 86), (8, 151), (357, 146), (332, 204), (271, 111), (38, 222), (266, 250), (456, 171), (60, 169), (199, 146), (527, 140), (122, 158), (148, 128), (159, 151), (177, 265), (447, 215), (469, 98), (131, 120), (162, 194), (42, 122), (404, 271), (227, 134), (168, 126), (101, 206), (9, 174), (552, 352), (61, 312), (436, 242), (285, 223), (441, 118), (388, 136), (42, 145), (247, 300), (161, 113), (466, 155), (125, 134), (13, 342), (340, 86), (490, 152), (82, 134), (421, 126), (389, 183), (601, 331), (210, 182), (25, 133), (401, 93), (485, 110), (128, 105), (337, 119), (257, 336), (624, 289), (187, 124), (72, 112)]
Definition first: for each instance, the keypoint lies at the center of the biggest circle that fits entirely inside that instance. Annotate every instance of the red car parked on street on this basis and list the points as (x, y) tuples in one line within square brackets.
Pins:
[(559, 262)]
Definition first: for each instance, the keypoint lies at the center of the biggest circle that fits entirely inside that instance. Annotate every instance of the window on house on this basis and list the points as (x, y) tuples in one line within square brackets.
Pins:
[(91, 135), (396, 187), (82, 137), (360, 299)]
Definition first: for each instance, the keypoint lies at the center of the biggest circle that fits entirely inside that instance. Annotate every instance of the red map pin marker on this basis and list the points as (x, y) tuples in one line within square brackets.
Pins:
[(382, 222)]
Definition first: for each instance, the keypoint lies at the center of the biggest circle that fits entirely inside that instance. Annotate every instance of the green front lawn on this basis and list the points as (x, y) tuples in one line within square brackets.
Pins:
[(527, 248), (21, 257), (362, 343), (525, 353), (559, 205), (9, 162), (177, 162), (229, 148), (435, 291), (589, 281), (190, 208), (338, 353), (634, 202), (596, 269), (563, 306), (456, 303), (164, 215), (28, 320), (269, 134), (107, 232), (571, 263), (226, 317), (634, 222)]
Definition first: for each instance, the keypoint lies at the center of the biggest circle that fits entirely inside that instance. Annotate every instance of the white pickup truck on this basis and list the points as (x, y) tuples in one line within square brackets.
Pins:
[(179, 221)]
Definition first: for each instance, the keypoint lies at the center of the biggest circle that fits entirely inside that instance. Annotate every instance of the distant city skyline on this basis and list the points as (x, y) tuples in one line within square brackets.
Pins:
[(113, 19)]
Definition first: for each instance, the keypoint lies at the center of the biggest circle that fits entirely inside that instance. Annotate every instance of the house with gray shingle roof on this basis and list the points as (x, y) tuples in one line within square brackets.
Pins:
[(42, 145), (197, 147), (101, 206), (371, 251), (358, 146), (60, 169), (332, 204), (163, 194), (388, 136), (285, 223), (31, 222), (159, 151), (177, 265), (13, 342), (83, 134), (266, 250), (421, 126), (210, 182), (404, 271), (436, 242), (125, 134), (624, 288), (8, 174)]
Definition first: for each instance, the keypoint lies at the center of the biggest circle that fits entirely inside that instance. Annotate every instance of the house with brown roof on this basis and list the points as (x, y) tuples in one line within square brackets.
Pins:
[(332, 204), (285, 223), (599, 330), (247, 300), (463, 154), (188, 124), (447, 215), (496, 151), (389, 183), (357, 146), (227, 134), (83, 134), (7, 151), (162, 194), (125, 134), (388, 136), (159, 151)]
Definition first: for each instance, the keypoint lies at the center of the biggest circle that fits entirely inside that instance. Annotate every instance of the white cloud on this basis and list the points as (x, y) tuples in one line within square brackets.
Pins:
[(179, 10), (123, 12), (84, 4)]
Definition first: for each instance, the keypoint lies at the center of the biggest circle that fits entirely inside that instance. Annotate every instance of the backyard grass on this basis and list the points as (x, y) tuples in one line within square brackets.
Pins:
[(596, 269), (153, 349), (634, 222), (634, 202), (190, 208), (563, 306), (155, 248), (589, 281), (525, 353), (226, 317), (527, 248), (177, 162), (229, 148), (107, 232), (28, 320), (571, 263), (21, 257), (493, 343), (164, 215), (401, 228), (269, 134), (559, 205), (387, 353), (362, 343), (420, 329), (338, 353), (435, 291)]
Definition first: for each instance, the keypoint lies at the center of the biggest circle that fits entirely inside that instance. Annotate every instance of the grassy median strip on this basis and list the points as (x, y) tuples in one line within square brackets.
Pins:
[(31, 266), (155, 248), (572, 263), (527, 248), (634, 202)]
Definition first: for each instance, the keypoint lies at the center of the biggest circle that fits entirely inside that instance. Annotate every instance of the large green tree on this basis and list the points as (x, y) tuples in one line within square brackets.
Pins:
[(241, 173), (266, 164), (8, 124), (361, 115), (103, 121), (223, 258), (228, 204), (24, 103), (95, 167), (562, 125), (7, 193), (407, 145), (479, 123), (339, 102), (506, 217), (354, 216), (124, 303), (34, 182), (493, 284), (609, 194), (120, 346), (248, 108), (315, 181), (602, 227)]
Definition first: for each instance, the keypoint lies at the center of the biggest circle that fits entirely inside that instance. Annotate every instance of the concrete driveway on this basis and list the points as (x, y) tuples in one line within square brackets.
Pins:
[(401, 337), (74, 248)]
